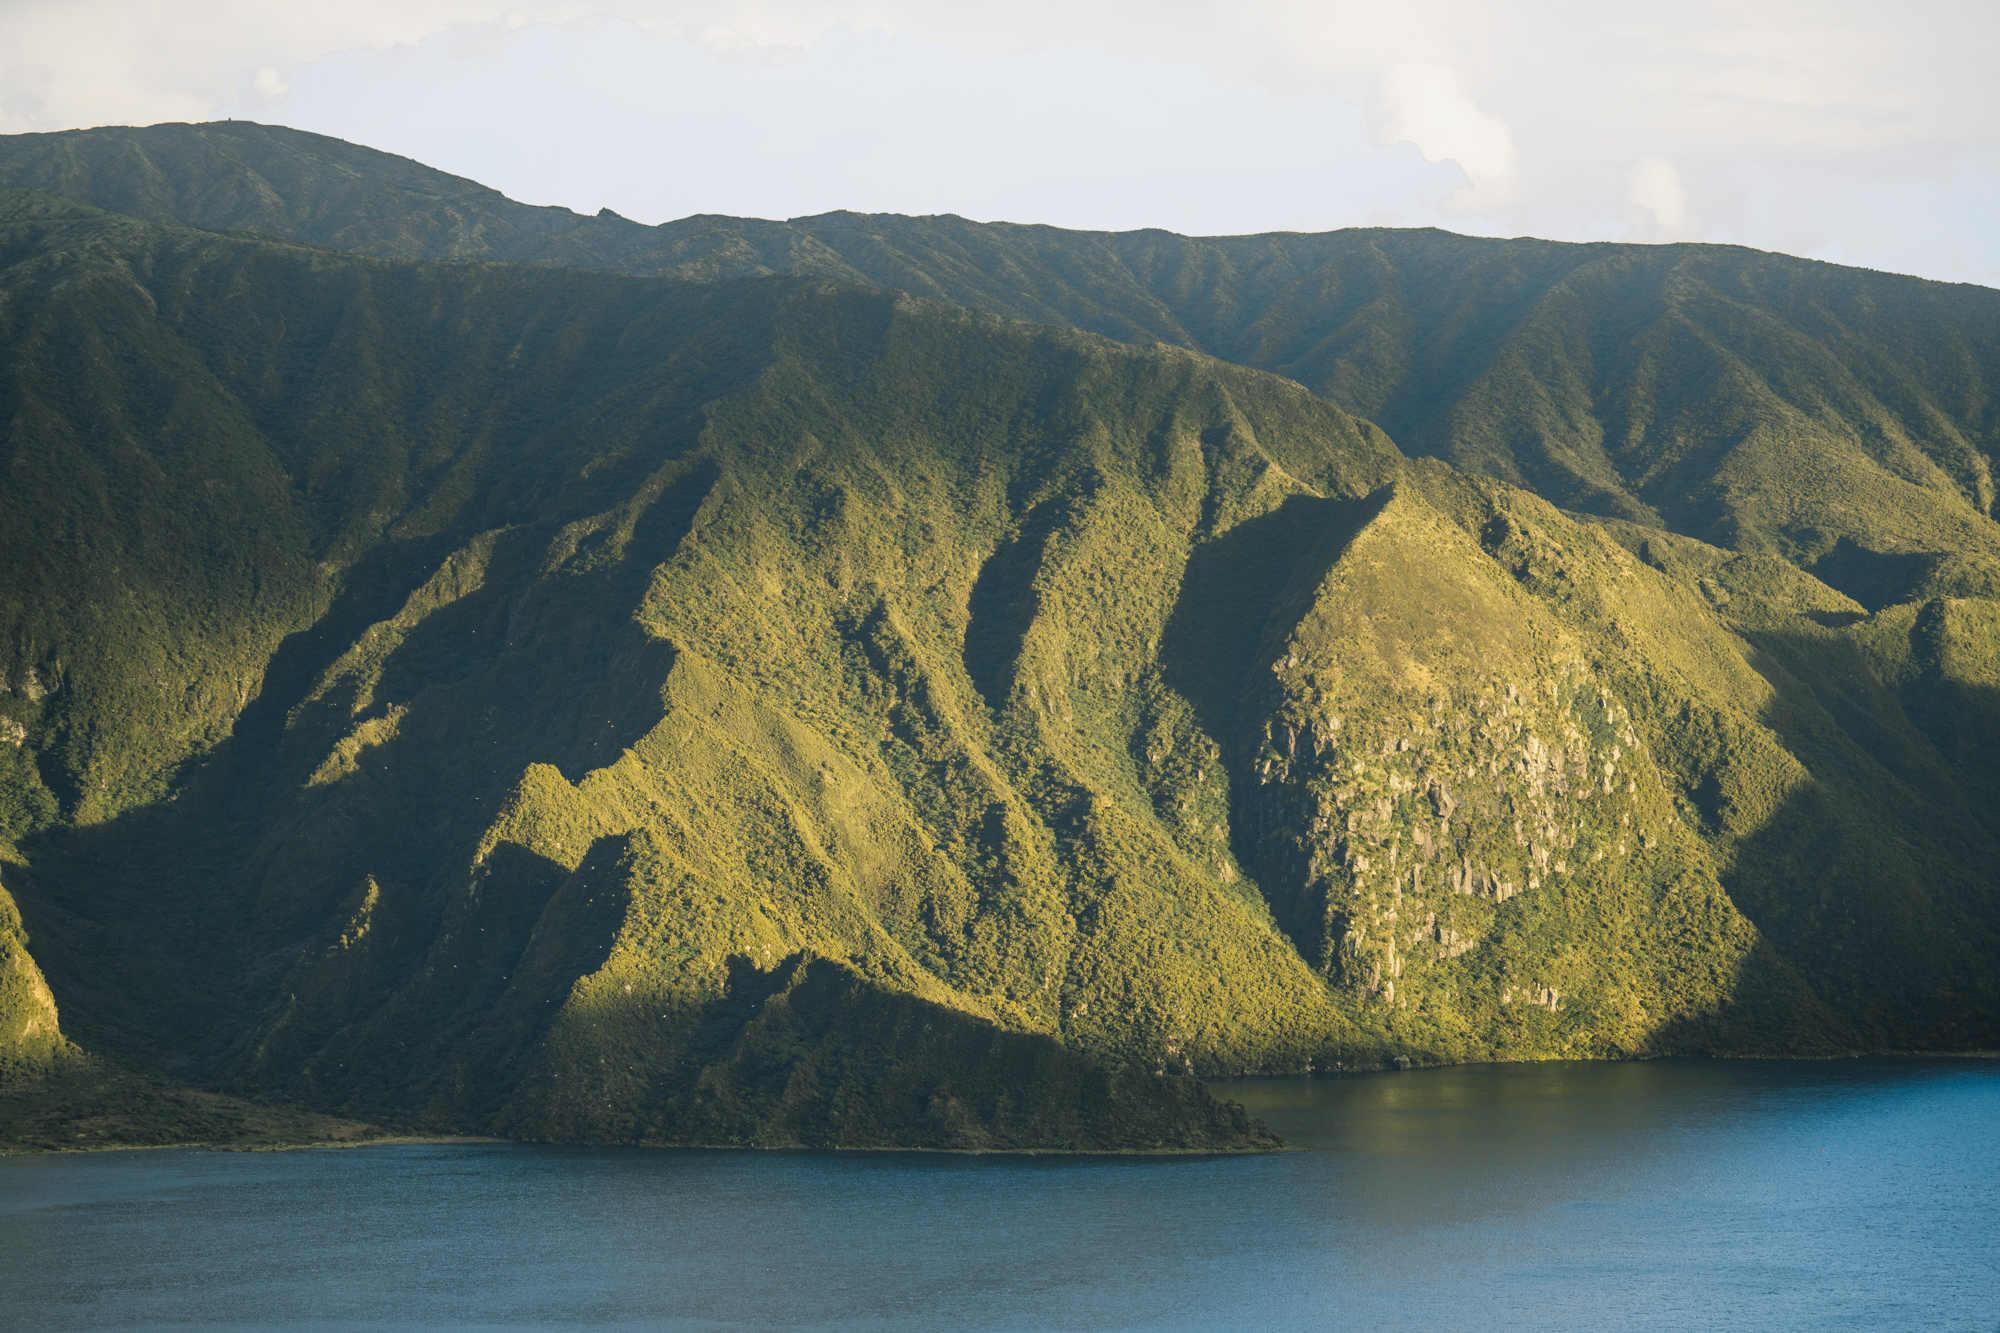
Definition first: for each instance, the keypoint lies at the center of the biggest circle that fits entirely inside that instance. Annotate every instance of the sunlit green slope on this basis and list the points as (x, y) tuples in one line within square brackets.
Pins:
[(586, 706), (1842, 419)]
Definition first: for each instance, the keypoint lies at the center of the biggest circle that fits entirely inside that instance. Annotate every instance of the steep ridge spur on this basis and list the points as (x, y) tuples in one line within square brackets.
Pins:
[(587, 706), (1841, 419)]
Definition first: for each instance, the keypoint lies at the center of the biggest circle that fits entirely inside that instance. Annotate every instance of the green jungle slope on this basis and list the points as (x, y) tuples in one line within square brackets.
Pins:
[(577, 705), (1842, 419)]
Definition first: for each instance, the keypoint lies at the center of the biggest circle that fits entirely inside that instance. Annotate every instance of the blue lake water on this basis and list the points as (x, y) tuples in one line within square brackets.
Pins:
[(1661, 1195)]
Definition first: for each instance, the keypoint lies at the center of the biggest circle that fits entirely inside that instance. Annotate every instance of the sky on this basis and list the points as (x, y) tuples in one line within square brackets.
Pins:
[(1864, 134)]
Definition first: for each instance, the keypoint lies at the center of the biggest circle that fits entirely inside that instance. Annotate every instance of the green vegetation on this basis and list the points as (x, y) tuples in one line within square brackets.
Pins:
[(85, 1104), (816, 1053), (510, 687), (30, 1028), (569, 704), (1839, 418)]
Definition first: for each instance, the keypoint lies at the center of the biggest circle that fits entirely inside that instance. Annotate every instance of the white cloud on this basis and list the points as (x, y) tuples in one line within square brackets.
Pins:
[(267, 85), (1659, 203), (1424, 105)]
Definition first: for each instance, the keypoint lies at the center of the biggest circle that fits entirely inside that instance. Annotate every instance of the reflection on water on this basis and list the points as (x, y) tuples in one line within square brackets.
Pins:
[(1663, 1195)]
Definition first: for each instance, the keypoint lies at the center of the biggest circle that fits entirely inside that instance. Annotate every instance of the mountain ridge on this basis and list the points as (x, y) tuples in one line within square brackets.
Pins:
[(1688, 387)]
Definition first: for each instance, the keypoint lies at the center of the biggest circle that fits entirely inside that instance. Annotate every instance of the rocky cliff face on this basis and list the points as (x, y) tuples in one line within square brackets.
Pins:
[(1453, 810)]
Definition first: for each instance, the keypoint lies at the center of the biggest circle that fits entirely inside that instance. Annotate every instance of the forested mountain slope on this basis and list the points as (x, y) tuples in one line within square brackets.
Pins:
[(589, 706), (1842, 419)]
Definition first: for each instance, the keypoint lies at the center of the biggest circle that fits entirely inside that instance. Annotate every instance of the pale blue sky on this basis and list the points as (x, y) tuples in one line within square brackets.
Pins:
[(660, 129), (1852, 132)]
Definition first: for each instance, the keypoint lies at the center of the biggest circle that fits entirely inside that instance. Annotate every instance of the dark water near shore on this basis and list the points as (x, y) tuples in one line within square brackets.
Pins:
[(1666, 1195)]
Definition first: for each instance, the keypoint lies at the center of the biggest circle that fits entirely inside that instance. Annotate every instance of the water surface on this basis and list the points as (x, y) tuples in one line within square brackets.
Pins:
[(1663, 1195)]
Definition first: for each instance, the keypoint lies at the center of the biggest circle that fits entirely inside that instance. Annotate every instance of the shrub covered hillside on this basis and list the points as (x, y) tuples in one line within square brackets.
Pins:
[(577, 705), (1843, 420)]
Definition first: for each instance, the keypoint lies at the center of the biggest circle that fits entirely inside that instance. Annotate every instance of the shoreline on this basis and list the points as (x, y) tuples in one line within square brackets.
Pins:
[(1982, 1053), (363, 1135), (408, 1140)]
